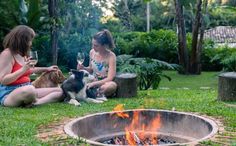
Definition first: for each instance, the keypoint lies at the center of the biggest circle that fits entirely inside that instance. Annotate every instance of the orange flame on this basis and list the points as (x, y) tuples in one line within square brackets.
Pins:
[(118, 109), (138, 130), (152, 127)]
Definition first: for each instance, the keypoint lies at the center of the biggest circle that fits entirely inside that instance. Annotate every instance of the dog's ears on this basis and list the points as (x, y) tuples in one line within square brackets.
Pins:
[(78, 74)]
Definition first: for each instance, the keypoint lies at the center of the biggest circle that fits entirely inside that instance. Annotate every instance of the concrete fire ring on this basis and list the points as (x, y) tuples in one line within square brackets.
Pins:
[(182, 125)]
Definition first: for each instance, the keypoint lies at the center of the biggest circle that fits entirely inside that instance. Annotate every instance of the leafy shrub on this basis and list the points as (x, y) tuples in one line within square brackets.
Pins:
[(229, 63), (149, 71), (161, 44), (216, 59)]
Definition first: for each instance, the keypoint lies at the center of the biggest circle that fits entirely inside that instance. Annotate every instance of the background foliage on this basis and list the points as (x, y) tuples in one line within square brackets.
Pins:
[(79, 19)]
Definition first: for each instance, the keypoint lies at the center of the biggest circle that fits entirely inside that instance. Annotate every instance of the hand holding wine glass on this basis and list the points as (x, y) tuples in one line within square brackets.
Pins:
[(33, 58), (80, 58)]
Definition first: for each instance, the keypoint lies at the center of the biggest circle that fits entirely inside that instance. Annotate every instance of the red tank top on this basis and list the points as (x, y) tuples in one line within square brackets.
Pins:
[(22, 79)]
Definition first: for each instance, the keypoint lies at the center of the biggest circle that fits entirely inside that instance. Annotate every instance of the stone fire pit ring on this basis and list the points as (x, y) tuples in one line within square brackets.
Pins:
[(184, 128)]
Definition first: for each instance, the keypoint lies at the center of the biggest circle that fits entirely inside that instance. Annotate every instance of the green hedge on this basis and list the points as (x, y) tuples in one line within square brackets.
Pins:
[(161, 44), (216, 59)]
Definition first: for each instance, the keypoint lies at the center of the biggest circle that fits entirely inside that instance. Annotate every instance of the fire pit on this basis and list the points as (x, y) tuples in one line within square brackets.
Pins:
[(142, 127)]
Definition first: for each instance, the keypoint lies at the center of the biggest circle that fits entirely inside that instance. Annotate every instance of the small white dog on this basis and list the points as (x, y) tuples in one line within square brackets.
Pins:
[(75, 88)]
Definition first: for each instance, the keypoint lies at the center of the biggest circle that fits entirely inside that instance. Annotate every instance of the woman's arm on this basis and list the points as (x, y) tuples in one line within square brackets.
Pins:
[(44, 69), (111, 72), (6, 64)]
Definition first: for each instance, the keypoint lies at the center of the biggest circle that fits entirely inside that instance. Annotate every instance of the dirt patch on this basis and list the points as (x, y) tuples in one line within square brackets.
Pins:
[(54, 132)]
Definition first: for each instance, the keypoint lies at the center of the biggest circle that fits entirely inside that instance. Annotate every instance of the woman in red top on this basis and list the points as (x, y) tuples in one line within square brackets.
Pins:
[(15, 87)]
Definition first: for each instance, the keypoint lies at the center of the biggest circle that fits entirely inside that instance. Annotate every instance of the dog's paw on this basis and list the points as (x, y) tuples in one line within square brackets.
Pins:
[(74, 102), (102, 98), (98, 101), (91, 100), (77, 104)]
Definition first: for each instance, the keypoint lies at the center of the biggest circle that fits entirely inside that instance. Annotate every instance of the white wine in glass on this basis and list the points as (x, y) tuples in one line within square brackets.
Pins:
[(80, 57), (33, 58)]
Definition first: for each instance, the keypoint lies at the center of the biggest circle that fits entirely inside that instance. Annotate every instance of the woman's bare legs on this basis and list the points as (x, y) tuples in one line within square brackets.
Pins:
[(48, 95), (109, 88), (20, 96)]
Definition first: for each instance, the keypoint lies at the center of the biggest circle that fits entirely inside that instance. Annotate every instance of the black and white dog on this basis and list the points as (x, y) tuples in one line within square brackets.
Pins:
[(75, 88)]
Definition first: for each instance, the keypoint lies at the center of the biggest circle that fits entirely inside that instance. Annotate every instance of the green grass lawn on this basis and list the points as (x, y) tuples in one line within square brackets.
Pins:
[(19, 126), (204, 81)]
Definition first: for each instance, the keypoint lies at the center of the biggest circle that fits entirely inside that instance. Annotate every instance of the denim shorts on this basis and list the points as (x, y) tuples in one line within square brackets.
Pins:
[(5, 90)]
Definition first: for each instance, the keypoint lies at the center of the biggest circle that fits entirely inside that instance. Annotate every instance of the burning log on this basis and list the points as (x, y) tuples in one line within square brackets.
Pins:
[(121, 140), (137, 140), (118, 141)]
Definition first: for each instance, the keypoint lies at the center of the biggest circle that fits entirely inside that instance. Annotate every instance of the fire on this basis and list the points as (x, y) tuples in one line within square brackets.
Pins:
[(133, 133), (140, 127), (118, 109)]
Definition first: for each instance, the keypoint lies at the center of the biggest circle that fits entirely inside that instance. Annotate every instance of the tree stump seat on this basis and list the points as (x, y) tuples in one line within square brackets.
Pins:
[(126, 85), (227, 86)]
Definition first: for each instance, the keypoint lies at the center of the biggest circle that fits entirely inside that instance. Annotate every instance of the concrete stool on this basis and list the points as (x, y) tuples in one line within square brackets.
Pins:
[(227, 86), (126, 85)]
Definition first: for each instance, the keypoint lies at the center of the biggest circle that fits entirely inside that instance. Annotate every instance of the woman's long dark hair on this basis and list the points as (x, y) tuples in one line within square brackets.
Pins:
[(18, 39), (104, 37)]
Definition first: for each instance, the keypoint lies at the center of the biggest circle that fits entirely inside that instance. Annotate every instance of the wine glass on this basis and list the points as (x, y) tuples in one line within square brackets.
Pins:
[(33, 58), (80, 58)]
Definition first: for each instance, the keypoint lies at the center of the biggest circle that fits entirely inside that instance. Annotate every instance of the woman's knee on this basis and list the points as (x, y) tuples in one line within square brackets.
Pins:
[(57, 89), (109, 88), (22, 95), (60, 93), (61, 97), (60, 90), (28, 92)]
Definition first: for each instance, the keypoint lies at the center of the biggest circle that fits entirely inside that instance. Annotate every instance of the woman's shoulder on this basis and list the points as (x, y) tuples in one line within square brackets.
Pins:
[(6, 53), (6, 57), (112, 57), (112, 54)]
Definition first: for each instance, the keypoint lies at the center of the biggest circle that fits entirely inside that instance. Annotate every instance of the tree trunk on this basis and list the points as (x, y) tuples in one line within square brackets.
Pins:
[(182, 45), (127, 17), (148, 16), (202, 30), (194, 64), (52, 5)]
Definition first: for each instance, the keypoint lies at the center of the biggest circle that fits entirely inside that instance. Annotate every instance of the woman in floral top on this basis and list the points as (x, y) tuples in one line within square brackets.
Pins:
[(102, 63)]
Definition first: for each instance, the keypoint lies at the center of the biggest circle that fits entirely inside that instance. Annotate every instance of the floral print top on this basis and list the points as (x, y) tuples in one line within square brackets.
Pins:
[(100, 68)]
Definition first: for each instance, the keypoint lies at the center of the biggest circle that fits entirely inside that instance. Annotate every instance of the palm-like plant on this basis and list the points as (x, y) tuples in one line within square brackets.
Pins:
[(149, 70), (30, 13), (229, 63)]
